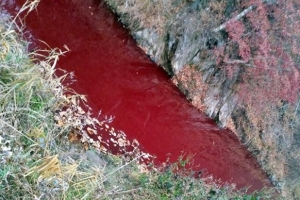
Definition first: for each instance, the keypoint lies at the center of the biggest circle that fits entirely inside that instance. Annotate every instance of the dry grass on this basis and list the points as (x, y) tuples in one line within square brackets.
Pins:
[(189, 81), (35, 163), (145, 13), (272, 137)]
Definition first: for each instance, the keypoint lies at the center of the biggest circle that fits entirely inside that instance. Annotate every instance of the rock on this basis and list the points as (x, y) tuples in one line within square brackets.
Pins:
[(297, 192), (95, 159)]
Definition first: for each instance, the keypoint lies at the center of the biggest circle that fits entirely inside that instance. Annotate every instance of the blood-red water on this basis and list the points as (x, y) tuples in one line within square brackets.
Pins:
[(120, 80)]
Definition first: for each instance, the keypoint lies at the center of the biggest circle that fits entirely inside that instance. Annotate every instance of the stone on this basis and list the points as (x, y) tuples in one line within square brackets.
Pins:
[(95, 159), (297, 192)]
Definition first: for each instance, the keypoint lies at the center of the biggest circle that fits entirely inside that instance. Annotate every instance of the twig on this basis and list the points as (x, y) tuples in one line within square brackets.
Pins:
[(295, 113), (239, 16), (234, 61), (122, 167), (124, 192), (16, 130)]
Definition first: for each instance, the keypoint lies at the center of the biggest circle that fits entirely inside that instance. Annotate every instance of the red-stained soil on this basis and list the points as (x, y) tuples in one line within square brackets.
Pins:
[(122, 81)]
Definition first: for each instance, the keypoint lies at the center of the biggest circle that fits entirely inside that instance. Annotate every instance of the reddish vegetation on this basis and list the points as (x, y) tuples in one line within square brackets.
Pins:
[(189, 78), (265, 45)]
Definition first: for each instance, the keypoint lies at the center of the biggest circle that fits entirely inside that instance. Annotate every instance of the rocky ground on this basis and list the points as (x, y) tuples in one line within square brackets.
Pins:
[(181, 36)]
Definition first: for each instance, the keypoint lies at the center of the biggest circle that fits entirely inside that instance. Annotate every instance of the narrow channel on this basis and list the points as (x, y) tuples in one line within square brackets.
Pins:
[(119, 79)]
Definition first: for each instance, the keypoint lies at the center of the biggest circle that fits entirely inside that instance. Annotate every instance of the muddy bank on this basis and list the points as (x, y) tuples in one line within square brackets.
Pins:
[(214, 67)]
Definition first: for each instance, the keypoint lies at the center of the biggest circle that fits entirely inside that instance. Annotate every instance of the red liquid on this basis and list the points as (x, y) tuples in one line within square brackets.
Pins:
[(120, 80)]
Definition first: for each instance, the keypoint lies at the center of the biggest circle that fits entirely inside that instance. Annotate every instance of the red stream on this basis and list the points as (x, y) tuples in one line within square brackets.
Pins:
[(122, 81)]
